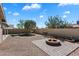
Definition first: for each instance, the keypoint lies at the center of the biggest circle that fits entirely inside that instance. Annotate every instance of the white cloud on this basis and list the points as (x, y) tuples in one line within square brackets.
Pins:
[(41, 16), (16, 14), (65, 4), (13, 14), (64, 16), (4, 8), (32, 6), (36, 6), (67, 12), (26, 7), (9, 12)]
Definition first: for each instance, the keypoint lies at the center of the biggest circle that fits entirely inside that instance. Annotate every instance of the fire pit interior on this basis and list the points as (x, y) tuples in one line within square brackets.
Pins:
[(53, 42)]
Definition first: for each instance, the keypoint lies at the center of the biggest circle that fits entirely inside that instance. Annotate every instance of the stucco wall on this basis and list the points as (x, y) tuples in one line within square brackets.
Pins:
[(63, 32), (0, 35)]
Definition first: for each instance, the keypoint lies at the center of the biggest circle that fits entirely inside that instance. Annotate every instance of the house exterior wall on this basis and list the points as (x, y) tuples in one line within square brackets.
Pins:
[(2, 22), (0, 34), (2, 17)]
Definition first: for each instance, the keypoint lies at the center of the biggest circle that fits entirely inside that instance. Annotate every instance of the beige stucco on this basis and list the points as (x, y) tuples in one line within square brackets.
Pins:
[(3, 23), (2, 17)]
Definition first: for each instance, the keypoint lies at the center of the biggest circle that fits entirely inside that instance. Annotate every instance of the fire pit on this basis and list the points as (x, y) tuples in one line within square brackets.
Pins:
[(53, 42)]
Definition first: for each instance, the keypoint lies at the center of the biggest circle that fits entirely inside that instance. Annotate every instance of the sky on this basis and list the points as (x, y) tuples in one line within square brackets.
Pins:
[(39, 12)]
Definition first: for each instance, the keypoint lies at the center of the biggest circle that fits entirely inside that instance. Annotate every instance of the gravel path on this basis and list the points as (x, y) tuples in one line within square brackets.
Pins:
[(21, 46)]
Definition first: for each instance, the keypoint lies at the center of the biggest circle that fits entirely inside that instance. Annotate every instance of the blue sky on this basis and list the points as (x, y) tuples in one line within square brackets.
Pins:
[(40, 12)]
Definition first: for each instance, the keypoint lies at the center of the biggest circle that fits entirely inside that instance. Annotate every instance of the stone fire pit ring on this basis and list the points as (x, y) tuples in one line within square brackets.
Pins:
[(53, 42)]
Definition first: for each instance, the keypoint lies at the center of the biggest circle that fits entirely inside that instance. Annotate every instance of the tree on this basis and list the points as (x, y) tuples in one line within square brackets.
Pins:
[(29, 24), (20, 25), (56, 22)]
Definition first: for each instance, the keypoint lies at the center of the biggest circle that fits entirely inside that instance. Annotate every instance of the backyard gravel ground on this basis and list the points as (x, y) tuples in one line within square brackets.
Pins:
[(23, 46)]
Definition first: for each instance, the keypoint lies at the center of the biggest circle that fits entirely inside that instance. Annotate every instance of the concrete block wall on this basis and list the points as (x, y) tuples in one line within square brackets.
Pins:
[(63, 32)]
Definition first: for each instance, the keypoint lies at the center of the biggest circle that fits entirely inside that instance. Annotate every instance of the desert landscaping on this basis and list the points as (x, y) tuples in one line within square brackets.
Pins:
[(45, 35), (23, 46)]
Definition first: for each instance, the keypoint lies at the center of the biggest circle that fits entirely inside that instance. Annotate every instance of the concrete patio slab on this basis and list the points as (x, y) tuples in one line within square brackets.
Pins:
[(5, 36), (63, 50)]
